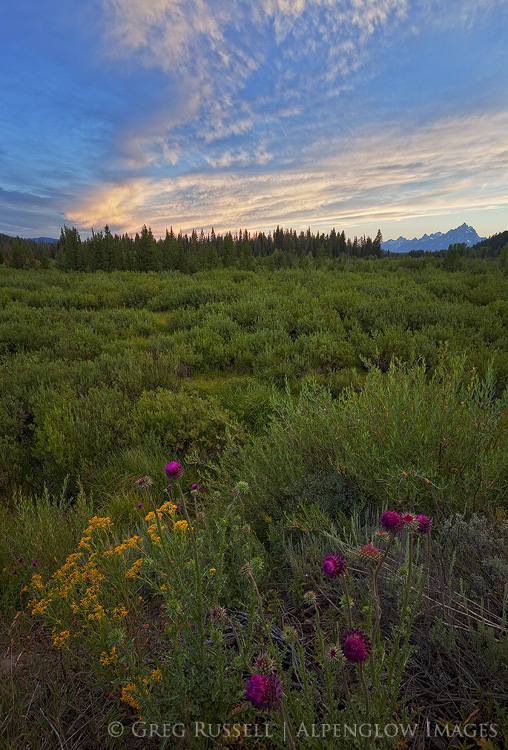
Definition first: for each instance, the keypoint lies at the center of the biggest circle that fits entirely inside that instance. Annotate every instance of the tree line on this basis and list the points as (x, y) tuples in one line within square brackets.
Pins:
[(282, 248), (104, 251)]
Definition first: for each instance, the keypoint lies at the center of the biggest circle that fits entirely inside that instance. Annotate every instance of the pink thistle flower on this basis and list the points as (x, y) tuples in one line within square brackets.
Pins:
[(264, 691), (34, 562), (391, 521), (355, 645), (174, 470), (195, 487), (370, 554), (410, 522), (424, 524), (334, 565), (20, 560)]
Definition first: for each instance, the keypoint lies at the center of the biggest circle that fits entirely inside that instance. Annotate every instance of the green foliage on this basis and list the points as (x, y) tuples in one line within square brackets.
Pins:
[(179, 421), (134, 333), (403, 440)]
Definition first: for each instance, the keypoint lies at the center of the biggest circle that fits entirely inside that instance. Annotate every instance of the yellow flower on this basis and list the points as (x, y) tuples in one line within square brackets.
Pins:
[(212, 571), (182, 525), (129, 693), (59, 639), (152, 533), (106, 658), (150, 516), (168, 508), (133, 542), (119, 612), (132, 572), (85, 542)]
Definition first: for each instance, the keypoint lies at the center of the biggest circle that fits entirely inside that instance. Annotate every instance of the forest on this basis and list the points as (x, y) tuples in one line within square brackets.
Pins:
[(263, 482), (282, 248)]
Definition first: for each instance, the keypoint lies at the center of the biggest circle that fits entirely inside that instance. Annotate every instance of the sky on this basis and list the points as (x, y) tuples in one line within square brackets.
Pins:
[(248, 114)]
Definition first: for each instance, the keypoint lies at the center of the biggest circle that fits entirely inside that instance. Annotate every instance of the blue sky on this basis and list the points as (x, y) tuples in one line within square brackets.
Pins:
[(353, 114)]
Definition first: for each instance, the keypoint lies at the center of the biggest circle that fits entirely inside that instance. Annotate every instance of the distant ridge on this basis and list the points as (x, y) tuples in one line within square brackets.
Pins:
[(436, 241), (10, 237)]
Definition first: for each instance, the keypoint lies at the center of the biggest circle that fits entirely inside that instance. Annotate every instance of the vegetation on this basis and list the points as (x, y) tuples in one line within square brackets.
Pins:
[(266, 586)]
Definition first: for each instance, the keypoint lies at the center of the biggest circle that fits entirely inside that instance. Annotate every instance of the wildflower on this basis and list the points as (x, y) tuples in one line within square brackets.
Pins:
[(212, 571), (134, 570), (144, 482), (391, 521), (355, 645), (410, 522), (129, 695), (34, 562), (167, 508), (424, 524), (310, 596), (194, 487), (139, 505), (180, 525), (174, 470), (20, 560), (241, 487), (335, 655), (334, 565), (14, 572), (369, 554), (218, 613), (59, 639), (170, 486), (264, 691)]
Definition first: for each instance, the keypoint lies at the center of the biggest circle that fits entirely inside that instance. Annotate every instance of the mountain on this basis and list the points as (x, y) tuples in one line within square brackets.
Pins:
[(42, 239), (434, 242)]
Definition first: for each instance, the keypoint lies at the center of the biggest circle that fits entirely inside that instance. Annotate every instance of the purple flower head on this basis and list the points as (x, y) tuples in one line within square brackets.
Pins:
[(355, 645), (264, 691), (20, 560), (34, 562), (391, 521), (170, 486), (334, 565), (194, 487), (424, 524), (174, 470), (14, 572), (139, 505)]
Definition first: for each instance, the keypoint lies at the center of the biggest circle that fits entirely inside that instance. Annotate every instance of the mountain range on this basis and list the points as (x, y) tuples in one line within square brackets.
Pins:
[(434, 242)]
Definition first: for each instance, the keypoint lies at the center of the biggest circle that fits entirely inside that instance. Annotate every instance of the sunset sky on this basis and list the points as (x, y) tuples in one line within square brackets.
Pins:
[(354, 114)]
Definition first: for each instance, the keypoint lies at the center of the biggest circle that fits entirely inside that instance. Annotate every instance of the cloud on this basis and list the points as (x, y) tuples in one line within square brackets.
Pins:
[(391, 175)]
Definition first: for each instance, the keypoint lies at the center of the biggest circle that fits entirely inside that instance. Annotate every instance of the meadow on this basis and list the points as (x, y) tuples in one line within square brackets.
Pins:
[(195, 473)]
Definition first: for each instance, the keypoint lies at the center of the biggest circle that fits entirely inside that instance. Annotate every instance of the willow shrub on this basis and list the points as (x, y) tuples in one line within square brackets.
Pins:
[(404, 439)]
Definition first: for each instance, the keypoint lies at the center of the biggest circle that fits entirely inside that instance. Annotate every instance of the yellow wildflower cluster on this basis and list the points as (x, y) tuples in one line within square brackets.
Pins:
[(152, 533), (96, 523), (180, 526), (168, 508), (132, 543), (110, 658), (60, 639), (134, 570), (129, 695), (118, 612), (155, 676), (150, 517)]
